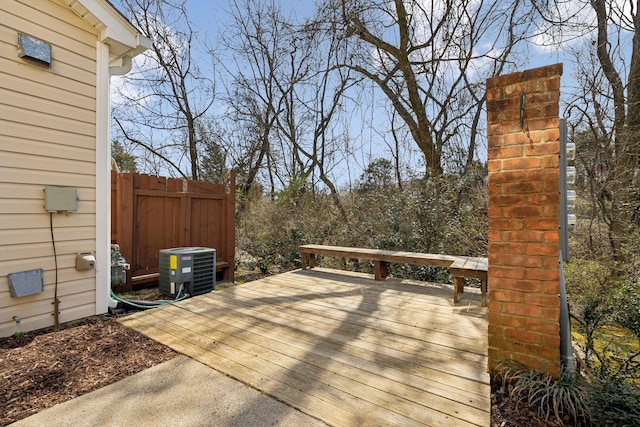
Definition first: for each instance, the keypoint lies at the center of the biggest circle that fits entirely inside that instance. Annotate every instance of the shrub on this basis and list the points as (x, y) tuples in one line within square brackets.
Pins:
[(614, 403), (564, 398)]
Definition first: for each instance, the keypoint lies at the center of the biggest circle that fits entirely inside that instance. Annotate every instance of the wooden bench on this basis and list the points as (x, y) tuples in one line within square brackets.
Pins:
[(460, 267)]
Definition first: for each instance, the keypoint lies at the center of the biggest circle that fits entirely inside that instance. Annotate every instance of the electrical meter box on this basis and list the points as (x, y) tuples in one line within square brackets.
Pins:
[(60, 199)]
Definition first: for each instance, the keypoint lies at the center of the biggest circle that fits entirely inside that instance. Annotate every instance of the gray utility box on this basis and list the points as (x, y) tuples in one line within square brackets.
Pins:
[(25, 283), (194, 268)]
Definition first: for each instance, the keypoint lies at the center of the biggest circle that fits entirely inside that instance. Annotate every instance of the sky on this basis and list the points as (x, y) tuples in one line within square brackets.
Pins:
[(209, 17)]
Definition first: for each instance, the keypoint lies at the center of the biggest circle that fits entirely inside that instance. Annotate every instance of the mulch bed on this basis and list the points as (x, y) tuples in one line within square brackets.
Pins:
[(44, 368)]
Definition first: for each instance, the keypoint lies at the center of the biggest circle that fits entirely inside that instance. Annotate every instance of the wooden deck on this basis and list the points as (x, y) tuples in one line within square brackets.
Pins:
[(340, 346)]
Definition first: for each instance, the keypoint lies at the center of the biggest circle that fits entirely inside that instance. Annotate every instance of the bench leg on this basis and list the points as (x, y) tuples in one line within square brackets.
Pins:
[(483, 287), (458, 283), (304, 261), (381, 270), (312, 260)]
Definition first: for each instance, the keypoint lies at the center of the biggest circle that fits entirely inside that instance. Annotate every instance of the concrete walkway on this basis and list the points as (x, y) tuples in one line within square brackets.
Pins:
[(180, 392)]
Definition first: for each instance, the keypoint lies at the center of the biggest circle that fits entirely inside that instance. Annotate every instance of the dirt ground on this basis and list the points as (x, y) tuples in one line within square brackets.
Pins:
[(41, 369)]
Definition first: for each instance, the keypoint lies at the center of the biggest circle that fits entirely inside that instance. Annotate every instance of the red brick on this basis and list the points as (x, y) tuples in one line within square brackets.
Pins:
[(507, 296), (493, 316), (542, 300), (494, 307), (551, 313), (552, 236), (523, 163), (506, 248), (542, 326), (553, 85), (494, 329), (523, 187), (541, 224), (494, 141), (494, 165), (501, 153), (542, 351), (533, 86), (522, 310), (507, 176), (500, 322), (523, 285), (495, 356), (495, 236), (522, 260), (523, 336), (515, 138), (493, 116), (504, 80), (508, 200), (551, 211), (542, 149), (547, 249), (505, 127), (544, 98), (493, 92), (551, 341), (552, 134), (503, 103), (551, 162), (551, 262), (505, 345), (551, 110), (494, 257), (494, 189), (523, 236), (552, 175), (542, 199), (506, 273), (542, 274), (535, 174), (512, 115), (506, 224), (548, 71), (522, 211), (552, 187), (552, 287), (494, 212)]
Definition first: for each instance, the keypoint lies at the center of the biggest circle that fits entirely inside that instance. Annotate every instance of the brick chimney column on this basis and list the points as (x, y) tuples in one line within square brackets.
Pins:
[(524, 205)]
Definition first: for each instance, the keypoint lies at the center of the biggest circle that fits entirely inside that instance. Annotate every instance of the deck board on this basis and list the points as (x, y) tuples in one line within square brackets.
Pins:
[(340, 346)]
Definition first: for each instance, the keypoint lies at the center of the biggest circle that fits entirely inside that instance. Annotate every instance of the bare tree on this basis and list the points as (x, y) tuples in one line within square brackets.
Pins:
[(162, 102), (604, 38), (430, 60), (285, 91)]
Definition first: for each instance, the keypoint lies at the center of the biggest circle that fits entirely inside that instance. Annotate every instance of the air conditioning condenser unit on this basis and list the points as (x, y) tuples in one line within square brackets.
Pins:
[(187, 270)]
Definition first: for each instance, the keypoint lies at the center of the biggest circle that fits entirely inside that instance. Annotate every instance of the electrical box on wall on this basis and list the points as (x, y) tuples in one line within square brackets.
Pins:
[(60, 199)]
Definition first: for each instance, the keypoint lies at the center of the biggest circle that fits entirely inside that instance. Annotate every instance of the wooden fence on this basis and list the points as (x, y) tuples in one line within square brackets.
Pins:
[(149, 213)]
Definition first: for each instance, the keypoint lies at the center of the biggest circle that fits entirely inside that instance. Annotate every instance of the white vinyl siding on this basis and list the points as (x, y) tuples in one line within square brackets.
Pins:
[(47, 137)]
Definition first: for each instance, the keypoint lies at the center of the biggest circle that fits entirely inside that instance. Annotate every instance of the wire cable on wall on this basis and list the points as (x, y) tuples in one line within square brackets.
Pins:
[(56, 317)]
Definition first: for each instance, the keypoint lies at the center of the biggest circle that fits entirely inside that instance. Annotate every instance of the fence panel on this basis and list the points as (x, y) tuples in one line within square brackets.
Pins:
[(150, 213)]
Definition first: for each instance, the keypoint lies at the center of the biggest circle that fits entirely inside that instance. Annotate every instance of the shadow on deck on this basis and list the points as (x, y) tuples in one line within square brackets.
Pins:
[(340, 346)]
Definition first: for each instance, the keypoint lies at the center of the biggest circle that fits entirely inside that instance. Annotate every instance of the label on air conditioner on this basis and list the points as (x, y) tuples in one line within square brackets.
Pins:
[(186, 270), (173, 262), (173, 288)]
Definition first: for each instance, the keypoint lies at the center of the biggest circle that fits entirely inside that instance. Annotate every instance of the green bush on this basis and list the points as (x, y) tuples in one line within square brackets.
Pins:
[(421, 216), (614, 403)]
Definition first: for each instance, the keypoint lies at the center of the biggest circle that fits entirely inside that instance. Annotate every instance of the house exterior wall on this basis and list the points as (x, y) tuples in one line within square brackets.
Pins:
[(47, 137)]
